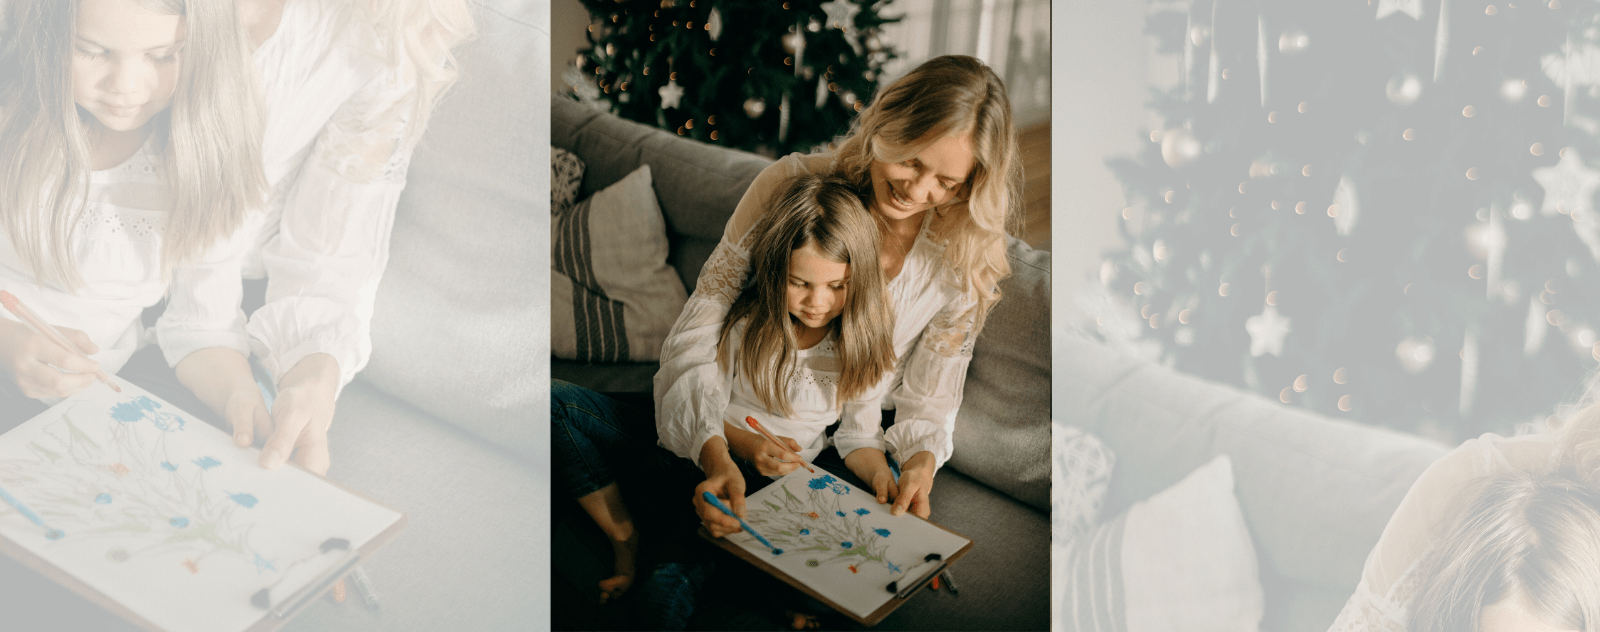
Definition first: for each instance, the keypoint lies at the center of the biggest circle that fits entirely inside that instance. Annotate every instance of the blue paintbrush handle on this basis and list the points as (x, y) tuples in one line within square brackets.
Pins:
[(718, 504)]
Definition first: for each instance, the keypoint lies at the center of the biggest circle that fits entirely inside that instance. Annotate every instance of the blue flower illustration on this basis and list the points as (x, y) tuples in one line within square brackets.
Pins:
[(846, 544), (805, 532), (127, 412), (862, 511), (882, 532), (817, 483), (841, 513)]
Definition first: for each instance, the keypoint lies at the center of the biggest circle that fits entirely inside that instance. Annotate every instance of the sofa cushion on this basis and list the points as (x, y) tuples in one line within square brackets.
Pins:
[(1178, 561), (1002, 432), (455, 329), (698, 185), (612, 296)]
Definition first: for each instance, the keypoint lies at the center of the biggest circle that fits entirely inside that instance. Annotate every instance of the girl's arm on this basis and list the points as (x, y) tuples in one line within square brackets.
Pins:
[(691, 391)]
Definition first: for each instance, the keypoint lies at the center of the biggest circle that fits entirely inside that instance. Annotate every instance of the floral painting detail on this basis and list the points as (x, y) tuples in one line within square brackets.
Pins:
[(142, 408), (862, 511), (882, 532)]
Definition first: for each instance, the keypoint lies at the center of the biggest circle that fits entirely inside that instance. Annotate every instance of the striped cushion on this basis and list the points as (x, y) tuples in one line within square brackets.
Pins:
[(613, 298), (1180, 560)]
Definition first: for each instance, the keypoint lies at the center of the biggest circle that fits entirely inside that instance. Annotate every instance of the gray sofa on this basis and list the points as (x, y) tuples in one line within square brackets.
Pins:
[(1315, 492), (996, 488), (446, 422)]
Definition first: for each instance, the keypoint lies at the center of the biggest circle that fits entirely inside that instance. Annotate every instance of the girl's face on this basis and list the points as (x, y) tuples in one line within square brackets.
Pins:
[(125, 62), (903, 189), (816, 287)]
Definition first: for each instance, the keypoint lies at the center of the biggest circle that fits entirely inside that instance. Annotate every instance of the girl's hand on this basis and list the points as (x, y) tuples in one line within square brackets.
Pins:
[(869, 465), (770, 460), (32, 359), (724, 481), (302, 413), (221, 378), (916, 480)]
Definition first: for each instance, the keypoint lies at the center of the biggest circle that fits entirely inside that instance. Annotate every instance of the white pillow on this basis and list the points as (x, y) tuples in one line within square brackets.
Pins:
[(1180, 560), (613, 298)]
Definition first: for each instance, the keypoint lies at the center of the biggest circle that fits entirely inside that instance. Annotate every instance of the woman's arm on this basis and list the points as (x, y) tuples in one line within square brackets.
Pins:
[(691, 391)]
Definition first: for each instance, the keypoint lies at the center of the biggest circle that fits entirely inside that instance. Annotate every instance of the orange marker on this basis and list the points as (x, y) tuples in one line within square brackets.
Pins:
[(15, 306), (757, 425)]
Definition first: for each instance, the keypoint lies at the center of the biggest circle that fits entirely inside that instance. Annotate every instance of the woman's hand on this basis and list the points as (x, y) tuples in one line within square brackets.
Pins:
[(871, 466), (724, 481), (221, 378), (32, 360), (302, 413), (916, 480), (769, 459)]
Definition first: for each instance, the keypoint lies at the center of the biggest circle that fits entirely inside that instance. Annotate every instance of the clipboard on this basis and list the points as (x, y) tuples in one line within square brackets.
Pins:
[(876, 616), (268, 622)]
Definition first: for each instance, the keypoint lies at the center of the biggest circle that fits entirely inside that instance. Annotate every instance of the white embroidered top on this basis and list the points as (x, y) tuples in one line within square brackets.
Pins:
[(118, 253), (1382, 600), (933, 335), (338, 142), (813, 391)]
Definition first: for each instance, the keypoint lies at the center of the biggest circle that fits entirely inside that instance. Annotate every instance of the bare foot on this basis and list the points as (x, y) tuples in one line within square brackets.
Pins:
[(803, 621), (625, 551)]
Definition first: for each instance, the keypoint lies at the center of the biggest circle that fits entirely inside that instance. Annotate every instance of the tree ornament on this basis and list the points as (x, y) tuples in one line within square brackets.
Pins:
[(754, 107), (1568, 185), (1512, 90), (814, 25), (841, 14), (1412, 8), (1345, 207), (822, 92), (714, 24), (1179, 147), (1267, 331), (1469, 372), (794, 42), (1404, 89), (1293, 41), (670, 94), (783, 118), (1535, 329), (1580, 64), (873, 43), (1415, 353)]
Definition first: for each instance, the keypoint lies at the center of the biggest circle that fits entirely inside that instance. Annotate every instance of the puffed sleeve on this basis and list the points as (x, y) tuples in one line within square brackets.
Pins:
[(691, 391), (332, 245), (861, 420), (929, 392), (203, 303)]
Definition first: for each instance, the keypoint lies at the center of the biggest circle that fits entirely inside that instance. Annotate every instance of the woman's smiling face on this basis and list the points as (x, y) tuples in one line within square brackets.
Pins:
[(903, 189)]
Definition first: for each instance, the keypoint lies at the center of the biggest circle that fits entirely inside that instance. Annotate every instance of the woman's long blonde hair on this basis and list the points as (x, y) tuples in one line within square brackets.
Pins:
[(211, 135), (425, 32), (953, 94), (826, 212), (1533, 536)]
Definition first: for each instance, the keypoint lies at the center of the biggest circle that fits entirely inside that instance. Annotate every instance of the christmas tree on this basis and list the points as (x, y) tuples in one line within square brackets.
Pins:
[(1376, 210), (768, 77)]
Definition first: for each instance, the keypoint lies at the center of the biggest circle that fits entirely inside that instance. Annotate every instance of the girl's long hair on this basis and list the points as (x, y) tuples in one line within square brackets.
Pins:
[(947, 95), (424, 32), (212, 134), (826, 212), (1534, 536)]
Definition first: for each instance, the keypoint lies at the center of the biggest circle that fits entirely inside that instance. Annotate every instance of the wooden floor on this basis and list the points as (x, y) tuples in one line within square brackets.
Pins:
[(1034, 143)]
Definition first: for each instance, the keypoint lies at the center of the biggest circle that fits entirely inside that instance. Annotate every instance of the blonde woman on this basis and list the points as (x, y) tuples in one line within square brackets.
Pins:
[(347, 86), (1500, 535), (935, 155), (129, 160)]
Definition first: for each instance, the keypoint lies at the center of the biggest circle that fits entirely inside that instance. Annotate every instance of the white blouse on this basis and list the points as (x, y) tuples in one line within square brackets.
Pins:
[(117, 248), (338, 142), (813, 391), (1382, 601), (933, 335)]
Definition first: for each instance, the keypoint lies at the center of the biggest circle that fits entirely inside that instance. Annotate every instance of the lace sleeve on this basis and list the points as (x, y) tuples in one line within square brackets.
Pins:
[(332, 245), (929, 393)]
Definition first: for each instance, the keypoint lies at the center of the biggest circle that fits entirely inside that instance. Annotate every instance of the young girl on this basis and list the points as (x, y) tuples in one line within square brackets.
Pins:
[(806, 345), (129, 158), (1501, 534)]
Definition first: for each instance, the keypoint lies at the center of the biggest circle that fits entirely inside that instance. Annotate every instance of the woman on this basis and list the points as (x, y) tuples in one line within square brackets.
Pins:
[(936, 156), (1501, 534), (347, 86)]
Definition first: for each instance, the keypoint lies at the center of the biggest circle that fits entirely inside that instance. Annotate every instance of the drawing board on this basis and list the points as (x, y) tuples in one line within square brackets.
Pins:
[(161, 518), (837, 542)]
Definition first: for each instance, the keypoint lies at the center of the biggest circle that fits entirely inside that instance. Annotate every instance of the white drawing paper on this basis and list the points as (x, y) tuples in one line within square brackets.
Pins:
[(164, 515), (836, 539)]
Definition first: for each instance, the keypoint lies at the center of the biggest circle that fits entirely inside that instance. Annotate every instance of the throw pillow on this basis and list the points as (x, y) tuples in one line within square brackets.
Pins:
[(613, 298), (566, 175), (1180, 560), (1082, 474)]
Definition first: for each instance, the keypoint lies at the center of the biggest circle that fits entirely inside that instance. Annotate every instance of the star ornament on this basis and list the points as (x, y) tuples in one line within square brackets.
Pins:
[(1569, 185), (1412, 8), (1267, 331), (842, 14), (670, 94)]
